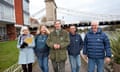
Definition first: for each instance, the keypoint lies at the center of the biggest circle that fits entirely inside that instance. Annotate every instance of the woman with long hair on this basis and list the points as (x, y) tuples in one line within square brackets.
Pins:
[(41, 49)]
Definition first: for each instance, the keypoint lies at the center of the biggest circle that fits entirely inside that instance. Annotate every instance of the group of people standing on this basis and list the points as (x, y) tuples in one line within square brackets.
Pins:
[(55, 45)]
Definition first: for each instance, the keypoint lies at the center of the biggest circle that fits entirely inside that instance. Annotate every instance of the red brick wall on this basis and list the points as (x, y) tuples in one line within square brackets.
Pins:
[(11, 32), (19, 12)]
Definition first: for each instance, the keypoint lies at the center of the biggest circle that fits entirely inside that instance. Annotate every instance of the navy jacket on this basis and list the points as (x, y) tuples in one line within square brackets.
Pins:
[(41, 49), (75, 45), (96, 45)]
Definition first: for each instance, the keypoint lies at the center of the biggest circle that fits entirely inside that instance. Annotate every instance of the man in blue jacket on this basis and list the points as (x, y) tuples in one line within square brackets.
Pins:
[(74, 49), (96, 48)]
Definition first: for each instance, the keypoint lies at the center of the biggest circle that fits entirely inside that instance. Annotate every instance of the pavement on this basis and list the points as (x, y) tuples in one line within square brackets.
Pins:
[(83, 67)]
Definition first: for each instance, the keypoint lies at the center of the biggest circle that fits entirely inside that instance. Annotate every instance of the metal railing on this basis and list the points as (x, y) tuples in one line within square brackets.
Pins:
[(14, 68)]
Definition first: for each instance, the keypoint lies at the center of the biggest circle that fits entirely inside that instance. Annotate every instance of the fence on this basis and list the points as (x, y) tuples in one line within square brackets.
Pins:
[(14, 68)]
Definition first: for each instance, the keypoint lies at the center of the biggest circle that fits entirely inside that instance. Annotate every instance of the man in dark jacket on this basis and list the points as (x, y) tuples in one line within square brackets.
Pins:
[(96, 48), (74, 49)]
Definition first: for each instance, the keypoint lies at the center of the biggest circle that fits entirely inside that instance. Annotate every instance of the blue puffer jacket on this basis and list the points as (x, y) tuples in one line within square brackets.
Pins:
[(75, 45), (96, 45), (41, 49)]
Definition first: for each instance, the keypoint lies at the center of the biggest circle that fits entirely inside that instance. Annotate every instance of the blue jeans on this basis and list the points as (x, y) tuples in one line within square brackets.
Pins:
[(95, 62), (43, 63), (75, 62)]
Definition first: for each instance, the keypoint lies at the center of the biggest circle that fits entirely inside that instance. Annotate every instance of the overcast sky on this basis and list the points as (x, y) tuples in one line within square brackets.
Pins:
[(108, 7)]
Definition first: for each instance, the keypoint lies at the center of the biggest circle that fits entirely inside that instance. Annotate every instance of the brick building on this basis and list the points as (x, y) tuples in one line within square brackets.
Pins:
[(13, 14)]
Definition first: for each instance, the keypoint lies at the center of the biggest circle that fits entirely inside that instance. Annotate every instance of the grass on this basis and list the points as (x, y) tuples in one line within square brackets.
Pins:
[(8, 54)]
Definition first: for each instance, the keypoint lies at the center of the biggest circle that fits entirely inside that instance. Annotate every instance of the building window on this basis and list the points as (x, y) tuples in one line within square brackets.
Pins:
[(3, 34), (8, 13), (27, 1)]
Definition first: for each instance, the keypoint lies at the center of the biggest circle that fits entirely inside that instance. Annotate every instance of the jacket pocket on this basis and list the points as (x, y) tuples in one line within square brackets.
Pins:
[(52, 55), (63, 55)]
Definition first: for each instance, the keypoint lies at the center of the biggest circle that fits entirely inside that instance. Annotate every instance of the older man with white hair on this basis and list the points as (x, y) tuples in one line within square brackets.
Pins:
[(96, 48)]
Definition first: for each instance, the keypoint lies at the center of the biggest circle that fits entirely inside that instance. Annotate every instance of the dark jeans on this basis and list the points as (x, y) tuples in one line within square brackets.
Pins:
[(27, 67), (59, 66)]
